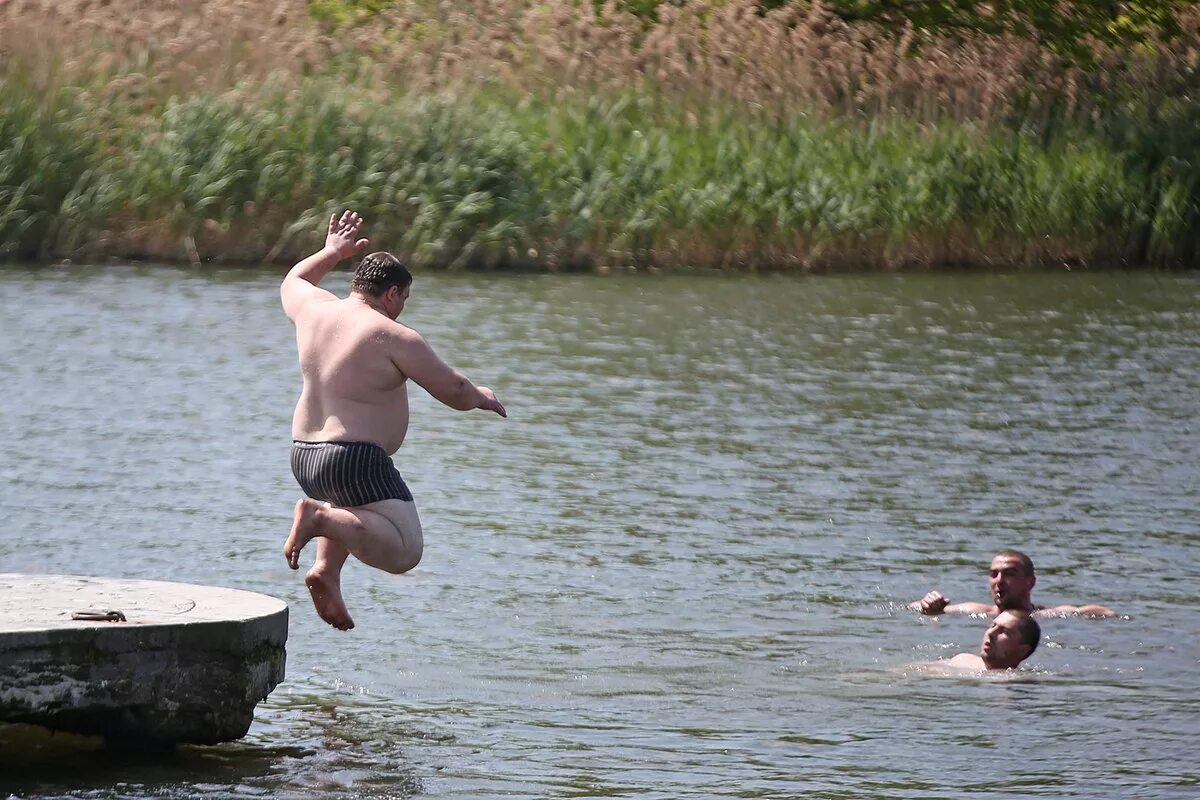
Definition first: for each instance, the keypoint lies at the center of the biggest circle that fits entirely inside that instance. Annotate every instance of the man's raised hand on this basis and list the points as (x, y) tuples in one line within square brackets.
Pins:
[(342, 238), (933, 603)]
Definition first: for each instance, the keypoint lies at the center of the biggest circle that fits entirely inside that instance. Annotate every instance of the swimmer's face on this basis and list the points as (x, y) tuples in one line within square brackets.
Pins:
[(1010, 583), (1002, 646)]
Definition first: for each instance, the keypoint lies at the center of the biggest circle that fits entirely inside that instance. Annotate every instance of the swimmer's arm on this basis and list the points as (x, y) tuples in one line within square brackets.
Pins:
[(300, 286), (416, 359), (1096, 610), (1091, 610), (969, 608), (937, 603)]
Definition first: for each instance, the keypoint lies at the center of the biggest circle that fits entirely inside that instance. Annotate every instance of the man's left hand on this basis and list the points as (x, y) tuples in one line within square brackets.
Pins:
[(490, 403), (342, 238)]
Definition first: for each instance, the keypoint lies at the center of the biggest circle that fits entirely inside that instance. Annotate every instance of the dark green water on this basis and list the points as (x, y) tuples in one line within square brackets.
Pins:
[(679, 568)]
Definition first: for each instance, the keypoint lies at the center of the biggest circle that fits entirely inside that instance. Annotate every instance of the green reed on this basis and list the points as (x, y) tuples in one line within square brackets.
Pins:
[(500, 180), (53, 190)]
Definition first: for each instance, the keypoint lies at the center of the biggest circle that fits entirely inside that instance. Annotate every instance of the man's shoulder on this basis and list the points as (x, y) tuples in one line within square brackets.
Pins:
[(967, 661), (957, 665), (320, 305), (399, 332), (300, 297)]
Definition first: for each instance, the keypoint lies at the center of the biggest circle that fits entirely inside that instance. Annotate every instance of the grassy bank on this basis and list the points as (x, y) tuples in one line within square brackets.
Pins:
[(244, 161)]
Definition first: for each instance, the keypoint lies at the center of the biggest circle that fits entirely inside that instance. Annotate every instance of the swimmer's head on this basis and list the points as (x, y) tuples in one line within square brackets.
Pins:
[(1011, 580), (383, 277), (1010, 639)]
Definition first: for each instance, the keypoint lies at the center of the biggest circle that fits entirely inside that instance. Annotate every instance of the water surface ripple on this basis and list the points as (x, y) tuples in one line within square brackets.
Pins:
[(679, 568)]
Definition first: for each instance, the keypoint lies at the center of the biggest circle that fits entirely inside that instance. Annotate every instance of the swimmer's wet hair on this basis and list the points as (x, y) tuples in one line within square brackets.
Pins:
[(1029, 631), (378, 272), (1026, 561)]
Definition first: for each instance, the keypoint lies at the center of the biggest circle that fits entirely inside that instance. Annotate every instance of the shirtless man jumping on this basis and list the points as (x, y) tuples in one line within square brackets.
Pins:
[(356, 361)]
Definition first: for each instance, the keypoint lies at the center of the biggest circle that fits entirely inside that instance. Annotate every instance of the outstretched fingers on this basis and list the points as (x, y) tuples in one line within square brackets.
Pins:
[(344, 234)]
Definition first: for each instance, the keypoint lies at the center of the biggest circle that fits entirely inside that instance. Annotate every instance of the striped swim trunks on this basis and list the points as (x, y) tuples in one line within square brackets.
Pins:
[(347, 474)]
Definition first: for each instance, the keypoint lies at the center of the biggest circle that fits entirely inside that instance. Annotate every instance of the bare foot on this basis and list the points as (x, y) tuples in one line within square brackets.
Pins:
[(304, 528), (325, 586)]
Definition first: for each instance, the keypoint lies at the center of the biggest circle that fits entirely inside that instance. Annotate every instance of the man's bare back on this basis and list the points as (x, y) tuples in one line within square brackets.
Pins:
[(353, 390), (352, 415)]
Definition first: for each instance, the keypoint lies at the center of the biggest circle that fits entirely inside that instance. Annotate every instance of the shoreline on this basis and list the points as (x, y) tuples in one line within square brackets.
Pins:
[(475, 183)]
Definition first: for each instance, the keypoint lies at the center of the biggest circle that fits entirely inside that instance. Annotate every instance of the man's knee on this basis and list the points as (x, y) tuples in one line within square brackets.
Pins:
[(405, 561), (406, 549)]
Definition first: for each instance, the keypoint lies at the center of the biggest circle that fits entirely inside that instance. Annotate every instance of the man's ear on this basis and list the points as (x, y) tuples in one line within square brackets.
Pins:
[(1032, 581), (392, 295)]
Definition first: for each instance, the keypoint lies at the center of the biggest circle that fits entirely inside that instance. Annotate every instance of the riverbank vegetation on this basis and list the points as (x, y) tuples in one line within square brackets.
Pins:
[(558, 135)]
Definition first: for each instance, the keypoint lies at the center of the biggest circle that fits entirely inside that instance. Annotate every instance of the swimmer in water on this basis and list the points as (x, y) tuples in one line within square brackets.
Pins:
[(1010, 639), (1011, 580)]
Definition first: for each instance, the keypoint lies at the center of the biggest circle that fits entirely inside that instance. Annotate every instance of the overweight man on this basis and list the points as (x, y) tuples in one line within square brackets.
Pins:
[(356, 362), (1011, 580)]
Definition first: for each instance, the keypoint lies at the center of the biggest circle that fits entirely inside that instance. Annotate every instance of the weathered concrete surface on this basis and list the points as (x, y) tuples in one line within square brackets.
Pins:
[(188, 665)]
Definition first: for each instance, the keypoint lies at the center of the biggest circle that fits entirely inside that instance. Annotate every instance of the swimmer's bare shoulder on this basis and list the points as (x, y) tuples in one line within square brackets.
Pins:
[(966, 662), (961, 664)]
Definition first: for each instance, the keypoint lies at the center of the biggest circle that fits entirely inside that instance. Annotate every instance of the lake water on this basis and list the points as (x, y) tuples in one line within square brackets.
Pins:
[(679, 568)]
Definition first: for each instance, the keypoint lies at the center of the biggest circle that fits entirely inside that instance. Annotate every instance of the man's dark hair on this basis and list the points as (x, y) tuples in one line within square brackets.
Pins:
[(379, 272), (1026, 561), (1030, 632)]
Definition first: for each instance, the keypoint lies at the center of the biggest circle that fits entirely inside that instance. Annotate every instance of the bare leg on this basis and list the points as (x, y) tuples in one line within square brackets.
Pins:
[(304, 528), (324, 582), (385, 535)]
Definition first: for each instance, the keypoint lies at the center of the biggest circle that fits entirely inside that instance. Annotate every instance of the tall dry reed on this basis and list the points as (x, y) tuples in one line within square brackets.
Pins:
[(799, 57), (953, 149)]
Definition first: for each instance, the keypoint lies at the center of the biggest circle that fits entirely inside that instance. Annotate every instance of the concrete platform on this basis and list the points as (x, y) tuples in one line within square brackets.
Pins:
[(187, 664)]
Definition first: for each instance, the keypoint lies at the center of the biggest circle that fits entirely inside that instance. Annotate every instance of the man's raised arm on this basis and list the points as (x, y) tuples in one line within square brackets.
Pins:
[(301, 284)]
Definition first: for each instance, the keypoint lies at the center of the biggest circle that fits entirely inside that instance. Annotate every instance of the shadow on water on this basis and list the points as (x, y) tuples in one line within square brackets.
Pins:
[(326, 758), (36, 760)]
